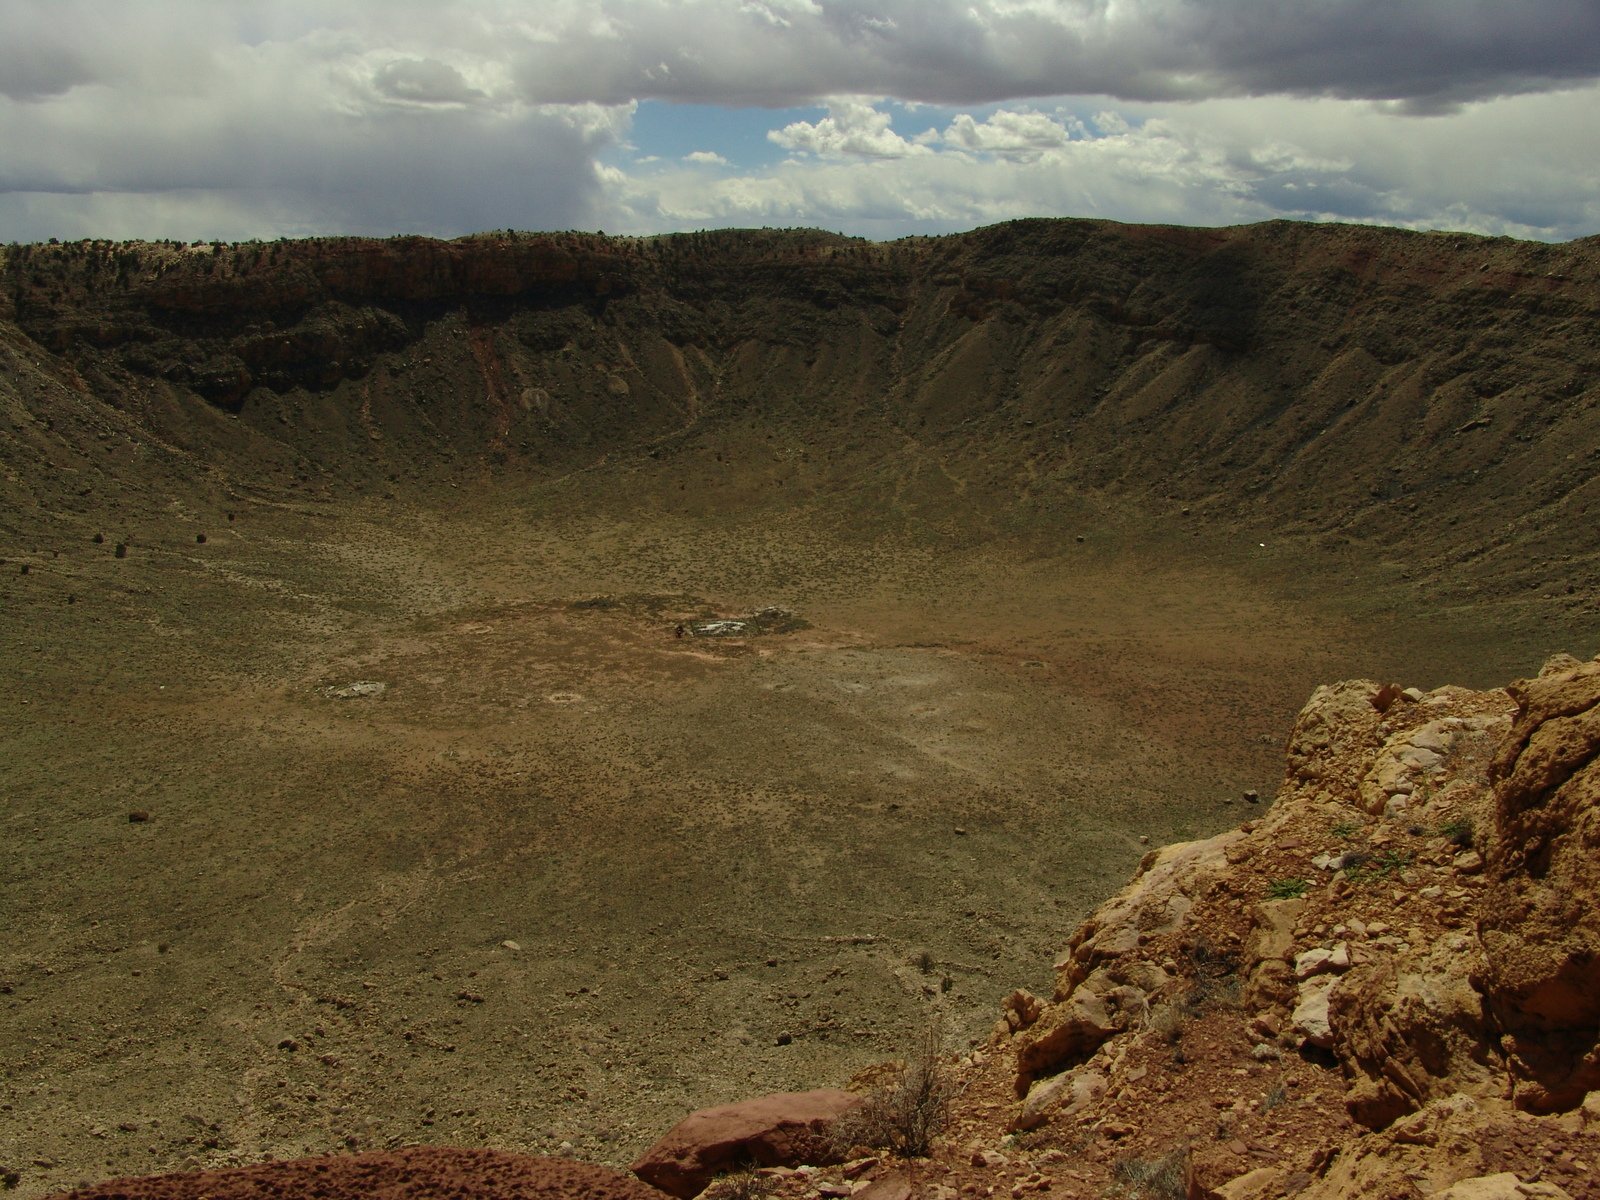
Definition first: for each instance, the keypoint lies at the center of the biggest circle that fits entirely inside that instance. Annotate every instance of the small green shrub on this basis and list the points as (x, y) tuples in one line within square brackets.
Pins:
[(1383, 865), (1287, 889), (1458, 831), (1346, 829)]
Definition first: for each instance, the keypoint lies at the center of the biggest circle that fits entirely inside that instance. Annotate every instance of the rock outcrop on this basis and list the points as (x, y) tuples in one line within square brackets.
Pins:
[(1404, 950)]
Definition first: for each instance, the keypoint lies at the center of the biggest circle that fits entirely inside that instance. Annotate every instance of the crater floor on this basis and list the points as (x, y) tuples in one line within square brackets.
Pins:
[(567, 875)]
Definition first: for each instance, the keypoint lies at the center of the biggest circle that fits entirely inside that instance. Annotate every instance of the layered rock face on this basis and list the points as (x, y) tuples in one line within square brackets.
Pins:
[(1539, 925)]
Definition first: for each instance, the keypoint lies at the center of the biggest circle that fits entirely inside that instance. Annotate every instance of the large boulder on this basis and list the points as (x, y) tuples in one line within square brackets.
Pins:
[(786, 1129), (1540, 920)]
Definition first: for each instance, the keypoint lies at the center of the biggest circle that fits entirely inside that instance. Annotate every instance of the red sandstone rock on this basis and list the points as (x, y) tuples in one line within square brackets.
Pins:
[(782, 1130), (413, 1174)]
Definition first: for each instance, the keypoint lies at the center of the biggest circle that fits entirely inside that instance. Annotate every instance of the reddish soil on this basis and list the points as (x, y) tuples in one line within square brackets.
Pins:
[(421, 1173)]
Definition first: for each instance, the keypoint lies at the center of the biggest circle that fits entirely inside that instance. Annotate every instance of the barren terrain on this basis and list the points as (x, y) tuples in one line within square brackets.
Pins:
[(566, 874)]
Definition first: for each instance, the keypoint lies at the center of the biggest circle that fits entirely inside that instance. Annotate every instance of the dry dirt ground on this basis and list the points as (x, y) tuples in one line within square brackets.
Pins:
[(569, 875)]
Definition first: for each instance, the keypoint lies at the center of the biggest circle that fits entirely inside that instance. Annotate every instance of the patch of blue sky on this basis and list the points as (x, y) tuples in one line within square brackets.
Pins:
[(672, 132)]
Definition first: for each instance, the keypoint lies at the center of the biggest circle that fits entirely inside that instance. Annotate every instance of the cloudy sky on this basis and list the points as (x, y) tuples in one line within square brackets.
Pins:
[(234, 119)]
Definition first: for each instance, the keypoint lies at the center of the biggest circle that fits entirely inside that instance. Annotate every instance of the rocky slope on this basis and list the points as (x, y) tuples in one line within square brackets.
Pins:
[(1430, 396)]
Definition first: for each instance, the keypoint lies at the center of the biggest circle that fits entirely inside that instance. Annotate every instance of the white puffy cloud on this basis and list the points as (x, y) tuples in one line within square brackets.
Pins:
[(852, 128), (1020, 134), (705, 158)]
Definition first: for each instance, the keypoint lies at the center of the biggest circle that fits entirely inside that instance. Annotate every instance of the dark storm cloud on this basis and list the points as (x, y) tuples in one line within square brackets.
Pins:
[(1430, 53), (37, 60), (35, 73), (424, 81)]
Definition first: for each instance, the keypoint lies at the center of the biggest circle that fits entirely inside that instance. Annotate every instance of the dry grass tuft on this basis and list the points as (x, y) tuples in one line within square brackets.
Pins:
[(904, 1114), (748, 1184), (1164, 1178)]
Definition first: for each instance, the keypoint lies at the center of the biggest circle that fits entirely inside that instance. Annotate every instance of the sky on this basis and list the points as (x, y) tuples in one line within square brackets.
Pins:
[(208, 119)]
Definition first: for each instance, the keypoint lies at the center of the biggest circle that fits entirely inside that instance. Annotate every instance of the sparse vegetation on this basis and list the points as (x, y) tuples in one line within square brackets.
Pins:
[(1287, 889), (1277, 1095), (1164, 1178), (1167, 1021), (746, 1184), (1385, 864), (1459, 830), (904, 1115), (1214, 979), (1346, 829)]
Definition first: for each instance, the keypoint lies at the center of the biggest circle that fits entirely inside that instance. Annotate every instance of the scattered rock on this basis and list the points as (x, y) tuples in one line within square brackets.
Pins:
[(1059, 1096), (1264, 1183), (1321, 960), (361, 689), (1021, 1008), (1310, 1016)]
